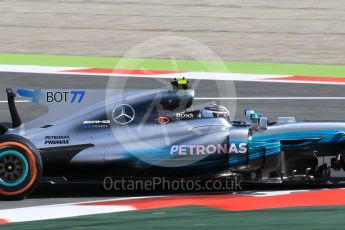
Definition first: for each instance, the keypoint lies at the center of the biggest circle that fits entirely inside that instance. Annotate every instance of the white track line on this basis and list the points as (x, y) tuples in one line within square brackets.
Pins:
[(269, 98), (65, 210), (19, 101), (67, 71), (243, 98), (56, 212)]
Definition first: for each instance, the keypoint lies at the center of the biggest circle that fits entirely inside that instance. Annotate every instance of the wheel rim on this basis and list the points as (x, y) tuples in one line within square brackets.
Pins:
[(14, 168)]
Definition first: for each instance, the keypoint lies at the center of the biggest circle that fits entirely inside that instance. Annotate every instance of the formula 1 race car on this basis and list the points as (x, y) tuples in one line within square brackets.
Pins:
[(90, 134)]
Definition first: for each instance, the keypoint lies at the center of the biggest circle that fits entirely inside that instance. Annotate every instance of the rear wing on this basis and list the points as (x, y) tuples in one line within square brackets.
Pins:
[(53, 96), (57, 98), (61, 102)]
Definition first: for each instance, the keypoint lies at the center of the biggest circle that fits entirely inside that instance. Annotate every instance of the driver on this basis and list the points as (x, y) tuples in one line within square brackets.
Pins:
[(183, 83), (180, 83)]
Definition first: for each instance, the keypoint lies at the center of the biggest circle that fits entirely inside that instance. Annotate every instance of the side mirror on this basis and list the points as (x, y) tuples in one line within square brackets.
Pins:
[(254, 121), (247, 114), (263, 123)]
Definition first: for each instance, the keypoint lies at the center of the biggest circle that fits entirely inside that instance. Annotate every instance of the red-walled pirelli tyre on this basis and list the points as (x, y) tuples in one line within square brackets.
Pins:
[(20, 167)]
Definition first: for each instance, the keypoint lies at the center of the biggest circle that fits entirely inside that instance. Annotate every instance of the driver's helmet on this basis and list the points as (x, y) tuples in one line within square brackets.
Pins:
[(216, 111)]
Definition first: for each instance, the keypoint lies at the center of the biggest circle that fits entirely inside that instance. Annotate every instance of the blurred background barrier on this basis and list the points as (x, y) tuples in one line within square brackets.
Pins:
[(309, 31)]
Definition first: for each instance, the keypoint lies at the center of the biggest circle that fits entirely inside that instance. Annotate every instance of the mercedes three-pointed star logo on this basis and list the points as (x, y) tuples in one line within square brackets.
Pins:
[(123, 114)]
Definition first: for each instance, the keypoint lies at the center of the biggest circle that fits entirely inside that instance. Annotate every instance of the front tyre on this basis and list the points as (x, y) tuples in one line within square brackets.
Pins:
[(20, 167)]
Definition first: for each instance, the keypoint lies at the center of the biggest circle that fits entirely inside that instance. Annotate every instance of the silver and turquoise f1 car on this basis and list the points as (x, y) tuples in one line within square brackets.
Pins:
[(90, 134)]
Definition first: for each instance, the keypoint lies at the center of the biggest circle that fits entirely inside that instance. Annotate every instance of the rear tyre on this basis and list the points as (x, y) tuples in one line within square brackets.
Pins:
[(20, 167)]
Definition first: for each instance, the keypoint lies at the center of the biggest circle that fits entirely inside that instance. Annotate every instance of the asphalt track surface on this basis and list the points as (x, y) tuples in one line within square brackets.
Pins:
[(302, 109), (310, 31)]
